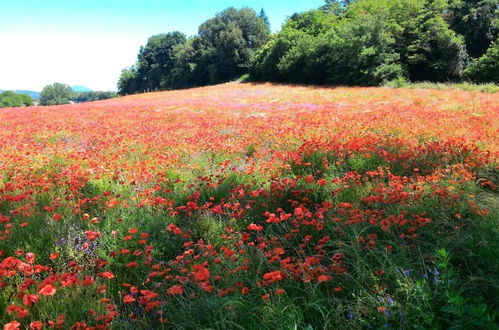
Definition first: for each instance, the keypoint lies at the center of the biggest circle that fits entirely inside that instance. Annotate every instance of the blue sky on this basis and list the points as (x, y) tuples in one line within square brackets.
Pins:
[(88, 42)]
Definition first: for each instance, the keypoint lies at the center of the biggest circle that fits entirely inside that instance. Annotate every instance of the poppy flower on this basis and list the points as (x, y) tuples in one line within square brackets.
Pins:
[(36, 325), (324, 278), (176, 289), (254, 227), (107, 275), (47, 290), (14, 325), (30, 299)]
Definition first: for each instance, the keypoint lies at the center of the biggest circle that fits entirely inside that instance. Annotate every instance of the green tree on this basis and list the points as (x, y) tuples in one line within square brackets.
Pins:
[(320, 47), (285, 56), (156, 60), (485, 68), (12, 99), (263, 16), (428, 48), (56, 93), (128, 82), (81, 97), (227, 43), (361, 52), (477, 21), (26, 100)]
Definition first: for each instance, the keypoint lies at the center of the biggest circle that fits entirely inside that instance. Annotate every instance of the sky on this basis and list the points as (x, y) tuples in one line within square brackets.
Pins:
[(89, 42)]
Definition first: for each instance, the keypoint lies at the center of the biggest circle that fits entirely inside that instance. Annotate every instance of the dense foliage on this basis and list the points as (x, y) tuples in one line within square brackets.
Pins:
[(358, 42), (250, 206), (80, 97), (485, 68), (55, 94), (477, 21), (365, 43), (221, 51), (11, 99)]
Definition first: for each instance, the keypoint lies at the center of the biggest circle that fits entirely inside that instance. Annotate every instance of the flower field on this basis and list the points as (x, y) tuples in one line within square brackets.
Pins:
[(250, 206)]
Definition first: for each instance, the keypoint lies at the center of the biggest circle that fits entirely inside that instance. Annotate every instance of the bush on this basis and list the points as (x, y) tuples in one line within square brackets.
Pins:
[(11, 99), (56, 93), (485, 68)]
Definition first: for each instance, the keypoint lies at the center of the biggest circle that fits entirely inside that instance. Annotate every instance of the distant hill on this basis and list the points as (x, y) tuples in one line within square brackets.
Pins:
[(34, 95), (79, 88)]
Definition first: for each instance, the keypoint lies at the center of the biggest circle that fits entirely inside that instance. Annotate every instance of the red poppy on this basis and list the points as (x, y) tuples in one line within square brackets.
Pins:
[(47, 290), (176, 289), (30, 299), (14, 325), (107, 275)]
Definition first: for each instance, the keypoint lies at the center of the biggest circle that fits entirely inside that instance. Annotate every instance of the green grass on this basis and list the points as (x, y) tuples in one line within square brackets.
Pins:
[(466, 86), (445, 278)]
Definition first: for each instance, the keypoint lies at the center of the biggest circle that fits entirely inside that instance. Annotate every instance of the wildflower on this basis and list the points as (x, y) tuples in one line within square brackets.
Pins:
[(200, 273), (107, 275), (254, 227), (274, 276), (176, 289), (30, 299), (324, 278), (14, 325), (91, 235), (337, 256), (382, 309), (30, 257), (47, 290), (36, 325)]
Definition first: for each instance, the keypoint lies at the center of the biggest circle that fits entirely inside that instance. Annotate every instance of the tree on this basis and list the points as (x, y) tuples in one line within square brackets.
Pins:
[(477, 21), (428, 48), (320, 47), (263, 16), (485, 68), (128, 82), (81, 97), (12, 99), (286, 55), (56, 93), (26, 100), (227, 43), (156, 60)]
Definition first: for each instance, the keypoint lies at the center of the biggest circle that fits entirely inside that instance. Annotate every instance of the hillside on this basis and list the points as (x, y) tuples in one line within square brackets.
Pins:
[(252, 206)]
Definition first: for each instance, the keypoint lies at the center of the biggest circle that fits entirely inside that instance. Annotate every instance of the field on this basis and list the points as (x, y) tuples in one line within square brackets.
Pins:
[(252, 206)]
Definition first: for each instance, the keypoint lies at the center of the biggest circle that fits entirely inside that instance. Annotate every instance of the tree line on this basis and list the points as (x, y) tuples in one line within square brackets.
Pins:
[(222, 50), (58, 93), (356, 42), (54, 94), (12, 99)]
